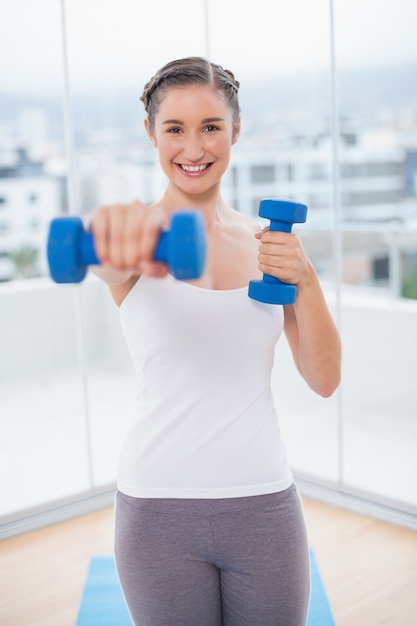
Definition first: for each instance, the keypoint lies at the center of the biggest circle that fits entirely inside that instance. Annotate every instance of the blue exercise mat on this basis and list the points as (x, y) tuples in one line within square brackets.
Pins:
[(319, 613), (103, 604)]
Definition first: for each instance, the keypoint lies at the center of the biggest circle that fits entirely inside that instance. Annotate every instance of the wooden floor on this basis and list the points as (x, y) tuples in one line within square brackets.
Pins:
[(369, 568)]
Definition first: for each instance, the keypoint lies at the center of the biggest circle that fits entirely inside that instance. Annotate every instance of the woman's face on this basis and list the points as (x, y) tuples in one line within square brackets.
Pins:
[(194, 132)]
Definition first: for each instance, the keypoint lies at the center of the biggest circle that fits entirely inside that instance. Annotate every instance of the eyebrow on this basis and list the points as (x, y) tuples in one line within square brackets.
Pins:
[(207, 120)]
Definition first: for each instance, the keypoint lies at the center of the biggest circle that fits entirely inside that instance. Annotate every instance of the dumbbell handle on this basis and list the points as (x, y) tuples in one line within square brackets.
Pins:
[(88, 256), (284, 227), (283, 214)]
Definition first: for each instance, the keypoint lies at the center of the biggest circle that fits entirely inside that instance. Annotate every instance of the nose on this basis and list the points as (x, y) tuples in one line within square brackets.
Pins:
[(193, 148)]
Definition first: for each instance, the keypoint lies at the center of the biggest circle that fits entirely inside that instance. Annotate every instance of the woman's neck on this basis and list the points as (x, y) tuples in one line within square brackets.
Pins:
[(211, 204)]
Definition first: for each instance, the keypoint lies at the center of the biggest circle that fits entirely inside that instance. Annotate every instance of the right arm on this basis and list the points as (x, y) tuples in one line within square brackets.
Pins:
[(125, 237)]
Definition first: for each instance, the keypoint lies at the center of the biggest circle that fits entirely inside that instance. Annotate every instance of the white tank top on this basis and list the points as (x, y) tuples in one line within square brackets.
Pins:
[(205, 425)]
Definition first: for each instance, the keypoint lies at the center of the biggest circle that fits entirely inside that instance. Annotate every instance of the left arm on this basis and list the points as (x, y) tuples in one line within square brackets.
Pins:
[(308, 324)]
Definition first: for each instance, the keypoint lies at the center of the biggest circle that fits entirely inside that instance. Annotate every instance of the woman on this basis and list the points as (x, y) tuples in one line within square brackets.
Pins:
[(209, 526)]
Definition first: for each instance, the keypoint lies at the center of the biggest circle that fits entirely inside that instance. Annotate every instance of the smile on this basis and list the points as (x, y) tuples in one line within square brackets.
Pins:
[(195, 168)]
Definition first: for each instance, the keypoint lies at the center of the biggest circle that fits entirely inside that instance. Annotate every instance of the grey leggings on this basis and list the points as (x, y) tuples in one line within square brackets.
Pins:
[(228, 562)]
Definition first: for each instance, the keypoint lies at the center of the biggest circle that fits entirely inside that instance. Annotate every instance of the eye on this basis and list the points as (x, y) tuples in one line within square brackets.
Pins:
[(210, 128), (175, 130)]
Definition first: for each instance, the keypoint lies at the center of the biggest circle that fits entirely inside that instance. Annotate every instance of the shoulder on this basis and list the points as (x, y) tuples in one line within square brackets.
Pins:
[(244, 222)]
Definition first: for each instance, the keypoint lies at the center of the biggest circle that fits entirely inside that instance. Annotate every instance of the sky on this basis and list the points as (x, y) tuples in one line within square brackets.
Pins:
[(120, 42)]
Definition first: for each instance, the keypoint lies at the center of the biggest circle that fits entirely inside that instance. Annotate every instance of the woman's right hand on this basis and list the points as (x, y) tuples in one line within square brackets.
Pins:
[(125, 238)]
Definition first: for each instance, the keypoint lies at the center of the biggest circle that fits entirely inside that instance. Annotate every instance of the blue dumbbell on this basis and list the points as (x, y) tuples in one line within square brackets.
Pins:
[(70, 248), (283, 214)]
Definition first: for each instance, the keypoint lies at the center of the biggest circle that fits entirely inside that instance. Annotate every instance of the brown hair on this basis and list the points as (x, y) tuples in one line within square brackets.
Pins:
[(190, 71)]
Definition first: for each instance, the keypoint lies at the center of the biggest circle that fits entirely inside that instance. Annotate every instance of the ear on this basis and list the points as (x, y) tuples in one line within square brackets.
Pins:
[(236, 132), (149, 132)]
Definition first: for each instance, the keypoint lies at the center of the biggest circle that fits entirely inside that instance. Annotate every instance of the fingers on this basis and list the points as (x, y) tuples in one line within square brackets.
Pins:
[(125, 237), (259, 234), (282, 255)]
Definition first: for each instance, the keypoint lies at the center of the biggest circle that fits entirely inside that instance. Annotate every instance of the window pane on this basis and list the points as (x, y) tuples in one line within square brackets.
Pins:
[(285, 152), (43, 454), (115, 162), (377, 58)]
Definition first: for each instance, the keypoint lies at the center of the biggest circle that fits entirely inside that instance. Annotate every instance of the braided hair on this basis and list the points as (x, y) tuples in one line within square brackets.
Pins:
[(190, 71)]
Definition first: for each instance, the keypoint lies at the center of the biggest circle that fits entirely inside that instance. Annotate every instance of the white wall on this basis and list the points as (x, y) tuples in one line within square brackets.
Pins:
[(39, 322)]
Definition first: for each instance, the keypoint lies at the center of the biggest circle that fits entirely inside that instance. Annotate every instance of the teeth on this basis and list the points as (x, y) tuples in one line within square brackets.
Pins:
[(194, 168)]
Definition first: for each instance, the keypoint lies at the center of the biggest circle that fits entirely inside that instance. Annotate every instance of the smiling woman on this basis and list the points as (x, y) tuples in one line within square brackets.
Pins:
[(208, 451), (193, 118), (197, 146)]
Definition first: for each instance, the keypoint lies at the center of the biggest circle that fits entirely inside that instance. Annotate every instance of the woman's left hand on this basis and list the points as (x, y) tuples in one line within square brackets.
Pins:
[(282, 255)]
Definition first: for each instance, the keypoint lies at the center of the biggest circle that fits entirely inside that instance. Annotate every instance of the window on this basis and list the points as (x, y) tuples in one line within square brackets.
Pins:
[(64, 346), (262, 174), (319, 171)]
